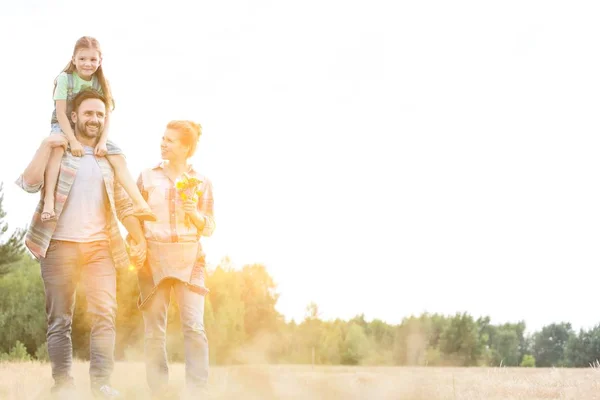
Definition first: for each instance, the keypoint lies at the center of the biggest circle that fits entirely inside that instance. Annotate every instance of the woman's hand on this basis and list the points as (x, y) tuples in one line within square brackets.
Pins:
[(190, 207), (193, 215)]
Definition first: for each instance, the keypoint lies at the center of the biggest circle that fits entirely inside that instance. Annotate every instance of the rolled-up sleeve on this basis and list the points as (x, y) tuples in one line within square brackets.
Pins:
[(205, 207), (28, 187), (123, 203)]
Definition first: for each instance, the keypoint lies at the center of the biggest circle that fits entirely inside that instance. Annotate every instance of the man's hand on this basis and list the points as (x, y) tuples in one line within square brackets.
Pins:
[(76, 148), (101, 149), (56, 140)]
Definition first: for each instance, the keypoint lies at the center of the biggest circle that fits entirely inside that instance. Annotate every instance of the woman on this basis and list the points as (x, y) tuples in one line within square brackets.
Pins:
[(174, 256)]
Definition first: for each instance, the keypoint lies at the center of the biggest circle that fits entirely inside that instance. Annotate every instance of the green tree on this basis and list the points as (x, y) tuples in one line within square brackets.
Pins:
[(411, 341), (550, 343), (12, 249), (22, 306), (461, 342), (583, 349), (381, 337), (330, 346), (309, 336), (312, 311), (227, 334), (505, 347), (258, 293), (355, 346)]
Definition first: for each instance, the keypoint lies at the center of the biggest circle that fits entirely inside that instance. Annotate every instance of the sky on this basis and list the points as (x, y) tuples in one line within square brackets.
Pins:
[(384, 158)]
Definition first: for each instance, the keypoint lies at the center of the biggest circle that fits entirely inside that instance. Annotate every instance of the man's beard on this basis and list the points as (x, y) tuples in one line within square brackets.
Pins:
[(82, 130)]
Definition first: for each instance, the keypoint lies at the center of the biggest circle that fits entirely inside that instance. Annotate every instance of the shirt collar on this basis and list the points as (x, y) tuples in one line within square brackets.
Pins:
[(161, 165)]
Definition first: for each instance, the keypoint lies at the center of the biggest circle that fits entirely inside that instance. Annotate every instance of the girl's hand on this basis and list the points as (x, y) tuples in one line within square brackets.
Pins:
[(76, 148), (190, 207), (100, 149)]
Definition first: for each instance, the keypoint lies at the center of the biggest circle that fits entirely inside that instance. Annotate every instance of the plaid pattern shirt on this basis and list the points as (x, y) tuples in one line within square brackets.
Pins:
[(160, 193), (170, 235), (40, 233)]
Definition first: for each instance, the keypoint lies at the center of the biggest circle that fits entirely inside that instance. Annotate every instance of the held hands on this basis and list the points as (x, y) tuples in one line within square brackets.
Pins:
[(76, 148), (137, 253), (100, 149)]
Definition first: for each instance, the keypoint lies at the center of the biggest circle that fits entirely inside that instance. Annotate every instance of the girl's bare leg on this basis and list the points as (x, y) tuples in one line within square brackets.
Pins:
[(50, 182)]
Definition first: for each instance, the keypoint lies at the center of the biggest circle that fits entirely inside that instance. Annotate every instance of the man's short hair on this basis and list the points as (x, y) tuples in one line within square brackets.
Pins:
[(85, 94)]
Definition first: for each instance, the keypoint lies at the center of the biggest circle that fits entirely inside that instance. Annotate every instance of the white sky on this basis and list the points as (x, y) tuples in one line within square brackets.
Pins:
[(384, 158)]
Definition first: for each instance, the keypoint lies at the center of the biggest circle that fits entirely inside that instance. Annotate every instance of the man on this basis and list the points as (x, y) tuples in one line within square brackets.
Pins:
[(82, 245)]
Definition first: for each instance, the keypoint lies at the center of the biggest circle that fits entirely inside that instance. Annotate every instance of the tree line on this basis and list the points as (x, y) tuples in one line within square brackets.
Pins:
[(243, 326)]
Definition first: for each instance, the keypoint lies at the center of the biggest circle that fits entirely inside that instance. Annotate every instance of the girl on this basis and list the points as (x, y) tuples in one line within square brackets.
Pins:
[(85, 70)]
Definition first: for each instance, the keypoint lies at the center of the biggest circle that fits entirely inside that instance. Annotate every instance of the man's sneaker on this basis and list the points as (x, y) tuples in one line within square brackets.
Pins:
[(106, 392), (64, 391), (195, 392)]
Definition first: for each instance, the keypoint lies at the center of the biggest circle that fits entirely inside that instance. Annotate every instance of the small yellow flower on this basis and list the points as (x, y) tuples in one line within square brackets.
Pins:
[(194, 181)]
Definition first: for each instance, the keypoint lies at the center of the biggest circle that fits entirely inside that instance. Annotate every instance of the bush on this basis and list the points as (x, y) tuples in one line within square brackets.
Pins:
[(41, 354), (528, 361), (17, 353)]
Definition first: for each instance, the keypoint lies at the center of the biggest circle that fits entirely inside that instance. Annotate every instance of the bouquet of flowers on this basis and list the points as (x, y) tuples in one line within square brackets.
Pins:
[(187, 189)]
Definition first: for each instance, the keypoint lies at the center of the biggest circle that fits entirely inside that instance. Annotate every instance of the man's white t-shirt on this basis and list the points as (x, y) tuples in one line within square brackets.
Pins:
[(84, 216)]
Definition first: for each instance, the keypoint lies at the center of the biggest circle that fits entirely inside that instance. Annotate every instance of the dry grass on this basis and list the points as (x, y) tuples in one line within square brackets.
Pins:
[(32, 381)]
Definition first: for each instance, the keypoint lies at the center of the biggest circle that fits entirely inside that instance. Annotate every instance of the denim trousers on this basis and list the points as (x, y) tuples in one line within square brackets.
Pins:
[(191, 309), (66, 265)]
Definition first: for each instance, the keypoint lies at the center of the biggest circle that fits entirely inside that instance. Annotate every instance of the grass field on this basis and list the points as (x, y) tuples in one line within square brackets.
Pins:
[(32, 381)]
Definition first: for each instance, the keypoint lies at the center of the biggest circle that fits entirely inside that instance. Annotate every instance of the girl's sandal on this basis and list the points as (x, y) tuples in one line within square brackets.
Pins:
[(48, 216)]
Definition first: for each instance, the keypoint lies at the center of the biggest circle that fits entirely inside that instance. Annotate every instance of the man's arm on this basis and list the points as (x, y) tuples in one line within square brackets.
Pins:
[(124, 207), (133, 226), (136, 238), (32, 179), (123, 203)]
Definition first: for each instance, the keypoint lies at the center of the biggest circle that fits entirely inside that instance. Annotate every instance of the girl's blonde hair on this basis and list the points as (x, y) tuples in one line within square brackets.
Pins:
[(88, 42), (189, 132)]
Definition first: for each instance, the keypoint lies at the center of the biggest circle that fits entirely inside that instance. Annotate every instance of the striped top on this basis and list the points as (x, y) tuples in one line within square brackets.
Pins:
[(40, 233)]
